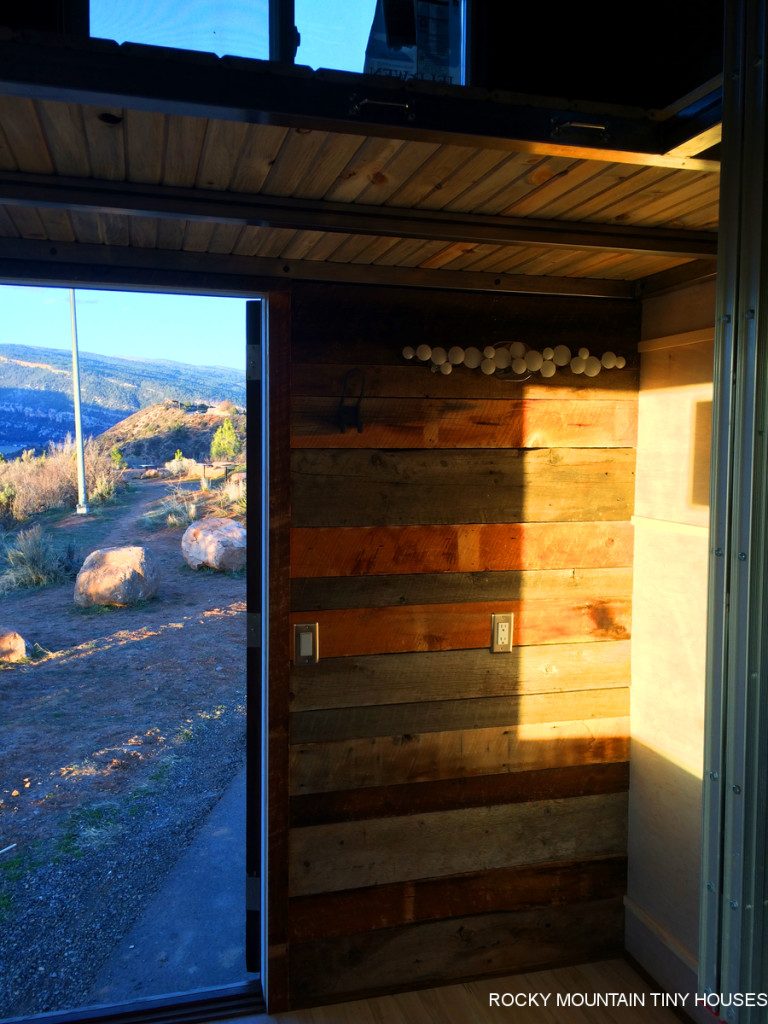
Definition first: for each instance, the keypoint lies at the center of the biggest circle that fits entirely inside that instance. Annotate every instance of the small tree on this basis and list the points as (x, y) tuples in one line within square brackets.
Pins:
[(226, 444)]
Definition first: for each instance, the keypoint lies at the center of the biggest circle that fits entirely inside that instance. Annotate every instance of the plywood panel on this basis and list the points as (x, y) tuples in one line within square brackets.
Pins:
[(408, 380), (22, 129), (471, 547), (441, 627), (458, 588), (460, 948), (397, 760), (448, 675), (360, 488), (503, 889), (325, 726), (674, 434), (675, 312), (477, 791), (424, 423), (349, 855)]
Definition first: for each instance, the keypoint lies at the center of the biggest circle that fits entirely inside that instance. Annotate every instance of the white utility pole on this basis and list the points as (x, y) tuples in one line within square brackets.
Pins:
[(82, 498)]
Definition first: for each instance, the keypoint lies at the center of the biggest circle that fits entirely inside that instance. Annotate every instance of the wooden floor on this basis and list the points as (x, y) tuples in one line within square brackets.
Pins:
[(470, 1003)]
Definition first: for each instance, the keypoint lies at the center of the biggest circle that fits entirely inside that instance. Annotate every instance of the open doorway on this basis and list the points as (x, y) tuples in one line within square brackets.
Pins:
[(122, 773)]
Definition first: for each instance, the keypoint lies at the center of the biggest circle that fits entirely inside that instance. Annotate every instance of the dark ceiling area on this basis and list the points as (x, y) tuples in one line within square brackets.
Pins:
[(644, 55)]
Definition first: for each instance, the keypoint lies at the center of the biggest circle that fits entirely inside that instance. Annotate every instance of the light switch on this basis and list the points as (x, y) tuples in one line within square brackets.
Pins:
[(305, 646)]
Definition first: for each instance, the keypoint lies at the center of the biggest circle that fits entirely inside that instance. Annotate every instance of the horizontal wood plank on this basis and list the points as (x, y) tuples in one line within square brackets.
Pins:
[(441, 627), (383, 488), (399, 760), (449, 675), (457, 949), (397, 378), (354, 854), (471, 547), (442, 716), (504, 889), (481, 791), (455, 423), (457, 588)]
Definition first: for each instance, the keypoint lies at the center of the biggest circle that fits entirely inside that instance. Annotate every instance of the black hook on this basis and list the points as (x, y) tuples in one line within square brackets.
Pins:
[(350, 413)]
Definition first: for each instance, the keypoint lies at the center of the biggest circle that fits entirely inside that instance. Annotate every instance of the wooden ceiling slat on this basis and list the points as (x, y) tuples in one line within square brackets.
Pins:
[(706, 218), (106, 142), (444, 164), (666, 211), (595, 265), (301, 244), (224, 238), (22, 128), (274, 242), (641, 266), (7, 228), (170, 234), (326, 244), (57, 225), (401, 168), (365, 165), (301, 148), (549, 263), (183, 146), (512, 258), (87, 227), (64, 134), (114, 229), (377, 248), (663, 209), (517, 167), (583, 173), (350, 249), (143, 232), (259, 149), (468, 173), (198, 235), (479, 255), (27, 222), (7, 159), (145, 146), (335, 155), (407, 253), (219, 156), (612, 176), (658, 196), (530, 190), (448, 254), (600, 206)]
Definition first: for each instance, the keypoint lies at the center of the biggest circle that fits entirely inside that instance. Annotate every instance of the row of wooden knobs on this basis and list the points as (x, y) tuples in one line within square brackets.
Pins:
[(515, 358)]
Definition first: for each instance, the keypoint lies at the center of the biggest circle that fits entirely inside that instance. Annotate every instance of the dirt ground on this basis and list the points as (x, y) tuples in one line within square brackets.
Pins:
[(127, 711)]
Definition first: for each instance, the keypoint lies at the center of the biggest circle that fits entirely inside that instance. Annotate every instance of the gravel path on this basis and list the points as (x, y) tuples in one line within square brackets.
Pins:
[(115, 747)]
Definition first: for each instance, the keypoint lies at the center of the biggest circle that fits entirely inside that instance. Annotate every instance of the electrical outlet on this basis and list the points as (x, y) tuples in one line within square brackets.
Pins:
[(501, 632)]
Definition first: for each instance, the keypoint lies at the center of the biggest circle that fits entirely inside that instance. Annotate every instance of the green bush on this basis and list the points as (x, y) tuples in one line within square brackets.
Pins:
[(226, 444)]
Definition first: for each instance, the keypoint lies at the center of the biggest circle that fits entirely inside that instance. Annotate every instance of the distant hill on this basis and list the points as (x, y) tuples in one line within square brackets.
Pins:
[(153, 435), (36, 404)]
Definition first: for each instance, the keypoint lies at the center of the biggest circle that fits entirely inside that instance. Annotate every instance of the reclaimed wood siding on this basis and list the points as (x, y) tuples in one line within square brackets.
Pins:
[(455, 812)]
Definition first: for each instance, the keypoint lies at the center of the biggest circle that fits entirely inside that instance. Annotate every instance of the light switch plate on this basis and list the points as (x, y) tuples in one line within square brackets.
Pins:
[(501, 632), (305, 647)]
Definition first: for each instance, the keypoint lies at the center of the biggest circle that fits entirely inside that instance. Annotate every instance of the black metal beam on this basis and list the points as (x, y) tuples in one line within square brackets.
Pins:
[(24, 261), (316, 215), (238, 89)]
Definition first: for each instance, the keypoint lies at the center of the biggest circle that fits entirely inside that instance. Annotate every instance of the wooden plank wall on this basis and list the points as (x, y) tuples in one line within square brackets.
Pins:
[(453, 812), (669, 634)]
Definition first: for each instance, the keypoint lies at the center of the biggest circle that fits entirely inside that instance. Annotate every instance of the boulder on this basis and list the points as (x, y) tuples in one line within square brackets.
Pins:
[(218, 543), (13, 646), (116, 576)]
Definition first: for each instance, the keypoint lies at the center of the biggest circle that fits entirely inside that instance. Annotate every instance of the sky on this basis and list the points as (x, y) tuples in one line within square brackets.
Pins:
[(189, 329)]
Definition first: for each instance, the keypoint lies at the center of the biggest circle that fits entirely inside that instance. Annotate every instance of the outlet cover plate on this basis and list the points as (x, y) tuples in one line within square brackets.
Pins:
[(305, 643), (501, 632)]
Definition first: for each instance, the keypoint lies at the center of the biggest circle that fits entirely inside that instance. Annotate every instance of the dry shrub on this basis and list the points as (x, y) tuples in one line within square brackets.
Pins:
[(32, 560), (31, 484)]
